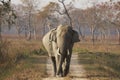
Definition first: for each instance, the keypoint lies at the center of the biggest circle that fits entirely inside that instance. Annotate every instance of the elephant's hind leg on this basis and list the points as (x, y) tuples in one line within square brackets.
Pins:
[(54, 65)]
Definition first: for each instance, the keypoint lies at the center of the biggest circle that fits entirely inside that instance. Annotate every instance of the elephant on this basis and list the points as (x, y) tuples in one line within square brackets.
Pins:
[(59, 43)]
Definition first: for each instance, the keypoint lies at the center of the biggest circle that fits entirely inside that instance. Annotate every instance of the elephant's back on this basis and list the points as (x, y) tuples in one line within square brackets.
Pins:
[(46, 38), (48, 44)]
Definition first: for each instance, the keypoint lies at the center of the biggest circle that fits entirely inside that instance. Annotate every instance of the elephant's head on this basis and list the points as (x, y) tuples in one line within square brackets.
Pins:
[(65, 31), (66, 37)]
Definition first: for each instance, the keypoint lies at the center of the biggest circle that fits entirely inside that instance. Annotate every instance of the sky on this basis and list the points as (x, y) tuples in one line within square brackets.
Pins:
[(78, 3)]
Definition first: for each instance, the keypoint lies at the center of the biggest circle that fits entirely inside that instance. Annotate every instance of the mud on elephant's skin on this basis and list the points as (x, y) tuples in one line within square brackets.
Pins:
[(59, 43)]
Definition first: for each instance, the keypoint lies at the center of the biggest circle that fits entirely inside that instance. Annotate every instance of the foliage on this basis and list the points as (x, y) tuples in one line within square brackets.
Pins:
[(99, 21), (12, 51), (4, 46), (7, 14)]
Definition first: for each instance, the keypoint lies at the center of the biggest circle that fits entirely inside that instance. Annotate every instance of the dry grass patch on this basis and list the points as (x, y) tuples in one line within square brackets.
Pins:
[(99, 65), (14, 54), (101, 61), (98, 47)]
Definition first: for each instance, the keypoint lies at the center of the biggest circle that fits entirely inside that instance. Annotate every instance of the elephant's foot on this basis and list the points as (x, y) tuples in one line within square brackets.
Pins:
[(53, 74), (59, 75), (65, 73)]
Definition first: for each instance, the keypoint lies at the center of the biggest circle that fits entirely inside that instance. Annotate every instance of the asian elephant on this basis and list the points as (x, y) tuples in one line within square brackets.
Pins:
[(59, 43)]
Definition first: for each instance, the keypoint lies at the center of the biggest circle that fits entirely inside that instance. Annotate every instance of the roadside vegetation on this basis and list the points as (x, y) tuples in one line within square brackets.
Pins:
[(100, 61), (29, 58), (21, 51), (16, 54)]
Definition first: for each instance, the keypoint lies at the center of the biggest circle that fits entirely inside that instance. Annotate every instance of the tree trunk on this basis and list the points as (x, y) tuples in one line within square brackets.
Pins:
[(35, 37), (29, 35), (80, 32), (25, 32), (29, 27), (108, 38), (18, 31), (118, 32), (0, 32), (102, 36), (93, 35)]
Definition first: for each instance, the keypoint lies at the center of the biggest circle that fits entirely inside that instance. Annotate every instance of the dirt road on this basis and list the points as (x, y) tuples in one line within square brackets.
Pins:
[(41, 69), (77, 71)]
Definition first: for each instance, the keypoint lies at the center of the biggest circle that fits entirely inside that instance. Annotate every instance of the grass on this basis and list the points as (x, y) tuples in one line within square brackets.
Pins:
[(101, 65), (99, 61), (15, 55), (30, 68), (11, 69), (98, 47)]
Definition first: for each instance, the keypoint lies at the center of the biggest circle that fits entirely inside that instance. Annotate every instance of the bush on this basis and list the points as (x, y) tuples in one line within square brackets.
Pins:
[(4, 51), (38, 52), (12, 51)]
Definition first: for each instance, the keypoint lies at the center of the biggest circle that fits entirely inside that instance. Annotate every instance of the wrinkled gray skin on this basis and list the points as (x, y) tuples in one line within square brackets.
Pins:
[(59, 43)]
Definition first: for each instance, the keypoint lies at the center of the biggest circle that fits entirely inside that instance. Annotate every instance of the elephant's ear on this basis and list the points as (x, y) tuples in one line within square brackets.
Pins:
[(52, 36), (75, 37)]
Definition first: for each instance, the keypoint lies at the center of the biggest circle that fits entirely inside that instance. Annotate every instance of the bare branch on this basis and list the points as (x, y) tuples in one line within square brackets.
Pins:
[(61, 1), (59, 12), (66, 11)]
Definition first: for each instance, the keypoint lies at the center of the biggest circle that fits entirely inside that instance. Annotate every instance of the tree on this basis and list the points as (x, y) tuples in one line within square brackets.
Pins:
[(111, 15), (95, 20), (47, 17), (20, 22), (7, 15), (92, 21), (66, 12), (30, 7), (78, 20), (115, 19)]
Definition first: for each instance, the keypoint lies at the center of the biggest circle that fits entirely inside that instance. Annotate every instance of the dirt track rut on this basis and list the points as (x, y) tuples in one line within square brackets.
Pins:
[(77, 71)]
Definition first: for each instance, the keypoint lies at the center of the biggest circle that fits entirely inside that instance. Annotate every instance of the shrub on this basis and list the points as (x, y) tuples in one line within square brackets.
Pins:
[(4, 51)]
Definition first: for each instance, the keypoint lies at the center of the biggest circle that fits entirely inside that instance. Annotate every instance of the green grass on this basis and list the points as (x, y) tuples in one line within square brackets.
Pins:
[(9, 69), (27, 55), (18, 56), (33, 64), (101, 65)]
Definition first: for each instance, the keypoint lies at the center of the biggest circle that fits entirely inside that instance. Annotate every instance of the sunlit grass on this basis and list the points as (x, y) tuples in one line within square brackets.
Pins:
[(100, 60), (17, 56), (100, 64), (98, 47)]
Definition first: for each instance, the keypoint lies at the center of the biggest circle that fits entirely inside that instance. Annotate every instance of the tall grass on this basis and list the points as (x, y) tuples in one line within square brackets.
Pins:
[(6, 56), (98, 47), (13, 51), (101, 65)]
